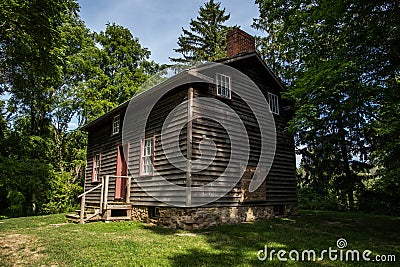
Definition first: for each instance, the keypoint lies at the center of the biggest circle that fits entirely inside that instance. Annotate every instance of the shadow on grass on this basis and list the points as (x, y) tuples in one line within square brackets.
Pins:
[(235, 245)]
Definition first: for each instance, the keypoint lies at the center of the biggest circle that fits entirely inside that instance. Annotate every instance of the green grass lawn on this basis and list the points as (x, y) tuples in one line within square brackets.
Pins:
[(47, 241)]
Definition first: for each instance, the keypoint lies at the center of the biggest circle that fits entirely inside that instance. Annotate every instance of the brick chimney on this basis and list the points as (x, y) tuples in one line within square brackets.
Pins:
[(238, 41)]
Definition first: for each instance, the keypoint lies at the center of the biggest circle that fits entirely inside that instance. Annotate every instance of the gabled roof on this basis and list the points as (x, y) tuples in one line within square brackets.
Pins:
[(255, 56), (240, 57), (126, 103)]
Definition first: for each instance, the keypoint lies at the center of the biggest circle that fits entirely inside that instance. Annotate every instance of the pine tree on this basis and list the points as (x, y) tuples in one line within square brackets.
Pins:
[(205, 40)]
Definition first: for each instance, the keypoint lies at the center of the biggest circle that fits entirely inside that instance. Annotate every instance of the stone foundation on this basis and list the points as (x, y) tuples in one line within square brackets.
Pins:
[(197, 218)]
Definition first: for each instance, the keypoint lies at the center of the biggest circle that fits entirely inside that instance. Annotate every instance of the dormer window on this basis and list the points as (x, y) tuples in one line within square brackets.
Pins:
[(115, 125), (223, 84), (273, 103)]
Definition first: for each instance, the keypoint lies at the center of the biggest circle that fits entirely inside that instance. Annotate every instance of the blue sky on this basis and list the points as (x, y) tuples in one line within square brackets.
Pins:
[(158, 23)]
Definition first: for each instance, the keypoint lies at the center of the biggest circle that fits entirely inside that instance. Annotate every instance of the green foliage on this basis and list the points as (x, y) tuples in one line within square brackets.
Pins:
[(17, 201), (310, 199), (61, 194), (25, 181), (113, 65), (54, 70), (205, 40), (341, 63), (31, 54), (28, 166), (36, 39)]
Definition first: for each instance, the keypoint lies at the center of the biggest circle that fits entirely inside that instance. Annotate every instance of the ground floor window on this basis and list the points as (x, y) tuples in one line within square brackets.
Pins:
[(147, 156)]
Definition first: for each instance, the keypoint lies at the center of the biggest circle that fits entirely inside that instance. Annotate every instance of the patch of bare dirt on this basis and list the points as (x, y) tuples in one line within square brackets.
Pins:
[(18, 249)]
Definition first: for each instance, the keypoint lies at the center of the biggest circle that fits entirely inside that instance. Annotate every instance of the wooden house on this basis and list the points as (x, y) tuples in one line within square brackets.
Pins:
[(122, 179)]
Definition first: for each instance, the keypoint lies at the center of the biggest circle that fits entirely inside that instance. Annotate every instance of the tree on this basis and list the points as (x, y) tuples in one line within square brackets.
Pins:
[(32, 50), (340, 61), (206, 38), (54, 69), (113, 67), (31, 55)]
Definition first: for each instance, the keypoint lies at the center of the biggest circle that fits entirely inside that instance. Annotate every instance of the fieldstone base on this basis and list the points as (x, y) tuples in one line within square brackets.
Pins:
[(197, 218)]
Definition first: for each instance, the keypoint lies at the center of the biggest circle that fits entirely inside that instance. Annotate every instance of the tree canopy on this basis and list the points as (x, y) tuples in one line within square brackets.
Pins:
[(113, 66), (341, 62), (54, 70), (205, 40)]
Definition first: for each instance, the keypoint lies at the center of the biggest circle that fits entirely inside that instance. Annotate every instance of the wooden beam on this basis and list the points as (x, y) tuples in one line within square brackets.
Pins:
[(82, 212), (101, 195), (128, 190), (189, 148), (106, 191)]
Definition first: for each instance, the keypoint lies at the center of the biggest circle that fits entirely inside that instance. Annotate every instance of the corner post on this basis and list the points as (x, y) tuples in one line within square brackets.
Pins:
[(189, 148), (128, 190), (82, 211), (102, 195), (106, 192)]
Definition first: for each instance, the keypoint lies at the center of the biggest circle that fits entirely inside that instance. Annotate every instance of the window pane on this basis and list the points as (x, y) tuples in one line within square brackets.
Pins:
[(273, 103), (223, 85), (147, 158), (116, 124)]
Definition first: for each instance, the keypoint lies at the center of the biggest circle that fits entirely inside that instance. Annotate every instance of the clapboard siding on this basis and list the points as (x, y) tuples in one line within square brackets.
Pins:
[(162, 164), (280, 183), (281, 180), (102, 141), (280, 186)]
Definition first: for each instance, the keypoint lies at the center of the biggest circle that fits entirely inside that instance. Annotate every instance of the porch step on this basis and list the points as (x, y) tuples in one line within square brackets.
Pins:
[(88, 209), (92, 204), (72, 218), (118, 211), (121, 218), (119, 206)]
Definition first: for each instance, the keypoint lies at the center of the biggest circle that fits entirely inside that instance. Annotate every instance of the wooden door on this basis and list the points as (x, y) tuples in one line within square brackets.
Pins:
[(122, 170)]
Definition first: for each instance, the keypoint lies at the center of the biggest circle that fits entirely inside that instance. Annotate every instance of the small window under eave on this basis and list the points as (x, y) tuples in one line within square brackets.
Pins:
[(273, 102), (116, 125), (223, 86)]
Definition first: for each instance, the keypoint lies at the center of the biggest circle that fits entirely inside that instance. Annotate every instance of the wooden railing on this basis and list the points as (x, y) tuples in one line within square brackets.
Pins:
[(103, 195)]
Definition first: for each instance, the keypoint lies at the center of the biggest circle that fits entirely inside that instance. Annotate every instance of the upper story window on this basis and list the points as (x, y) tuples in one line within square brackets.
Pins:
[(273, 103), (147, 156), (96, 168), (223, 83), (116, 125)]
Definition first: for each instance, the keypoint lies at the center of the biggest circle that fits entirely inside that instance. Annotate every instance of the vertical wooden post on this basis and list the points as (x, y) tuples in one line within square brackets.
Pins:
[(189, 148), (82, 211), (106, 191), (128, 190), (101, 195)]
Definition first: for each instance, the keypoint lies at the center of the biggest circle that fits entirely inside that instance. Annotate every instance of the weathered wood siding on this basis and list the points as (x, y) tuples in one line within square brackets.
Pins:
[(280, 185), (102, 141), (281, 181), (162, 166)]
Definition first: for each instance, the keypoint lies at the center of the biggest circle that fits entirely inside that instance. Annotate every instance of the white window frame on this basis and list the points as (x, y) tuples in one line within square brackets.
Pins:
[(273, 102), (147, 156), (96, 167), (223, 86), (116, 124)]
